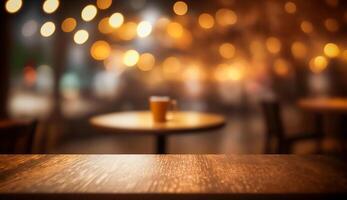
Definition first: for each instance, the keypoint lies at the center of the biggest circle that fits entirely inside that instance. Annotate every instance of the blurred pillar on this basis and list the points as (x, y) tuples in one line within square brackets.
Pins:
[(4, 63)]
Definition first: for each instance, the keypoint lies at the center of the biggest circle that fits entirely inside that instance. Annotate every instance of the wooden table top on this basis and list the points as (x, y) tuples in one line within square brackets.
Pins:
[(174, 176), (335, 105), (142, 122)]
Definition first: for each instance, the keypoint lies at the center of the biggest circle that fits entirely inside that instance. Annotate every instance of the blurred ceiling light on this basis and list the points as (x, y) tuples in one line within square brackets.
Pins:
[(290, 7), (127, 31), (306, 27), (171, 65), (227, 50), (273, 45), (175, 30), (144, 28), (225, 17), (180, 8), (100, 50), (131, 57), (331, 50), (29, 28), (81, 36), (50, 6), (103, 4), (68, 25), (332, 3), (13, 6), (331, 25), (281, 67), (146, 62), (47, 29), (299, 50), (104, 26), (206, 21), (318, 64), (89, 12)]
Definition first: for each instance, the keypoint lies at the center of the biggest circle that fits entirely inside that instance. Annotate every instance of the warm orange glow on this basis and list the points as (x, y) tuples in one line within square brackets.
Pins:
[(131, 57), (290, 7), (89, 12), (281, 67), (225, 72), (144, 29), (175, 30), (206, 21), (331, 25), (116, 20), (344, 55), (306, 27), (227, 50), (171, 65), (299, 50), (185, 40), (29, 75), (180, 8), (47, 29), (13, 6), (331, 50), (103, 4), (318, 64), (104, 27), (273, 45), (127, 31), (146, 62), (50, 6), (69, 24), (100, 50), (332, 3), (81, 36), (225, 17), (194, 72)]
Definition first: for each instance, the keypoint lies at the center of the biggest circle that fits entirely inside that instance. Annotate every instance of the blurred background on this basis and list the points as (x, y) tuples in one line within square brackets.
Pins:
[(63, 62)]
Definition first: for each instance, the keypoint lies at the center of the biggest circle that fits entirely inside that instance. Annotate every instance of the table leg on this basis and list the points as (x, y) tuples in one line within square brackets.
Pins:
[(161, 144)]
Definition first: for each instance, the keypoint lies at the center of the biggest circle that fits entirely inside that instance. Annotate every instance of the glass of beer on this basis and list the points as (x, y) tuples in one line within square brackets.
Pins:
[(160, 105)]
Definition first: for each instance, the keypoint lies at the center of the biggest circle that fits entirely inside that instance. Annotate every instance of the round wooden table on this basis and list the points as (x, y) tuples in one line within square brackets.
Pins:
[(141, 122)]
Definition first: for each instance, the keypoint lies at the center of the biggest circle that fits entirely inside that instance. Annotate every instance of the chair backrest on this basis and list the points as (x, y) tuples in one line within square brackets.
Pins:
[(273, 119), (17, 136)]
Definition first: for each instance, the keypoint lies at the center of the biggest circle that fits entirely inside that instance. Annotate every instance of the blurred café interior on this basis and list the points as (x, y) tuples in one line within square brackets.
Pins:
[(274, 69)]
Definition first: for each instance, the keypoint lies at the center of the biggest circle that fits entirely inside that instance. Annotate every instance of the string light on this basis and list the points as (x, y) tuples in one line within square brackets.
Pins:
[(225, 17), (227, 50), (131, 57), (206, 21), (144, 29), (104, 26), (103, 4), (331, 50), (13, 6), (50, 6), (89, 12), (146, 62), (69, 24), (47, 29), (318, 64), (100, 50), (180, 8), (175, 30), (81, 36), (116, 20)]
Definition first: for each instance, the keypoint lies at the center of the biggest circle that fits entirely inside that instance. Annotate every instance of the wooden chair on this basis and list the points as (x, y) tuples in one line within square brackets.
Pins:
[(275, 130), (16, 137)]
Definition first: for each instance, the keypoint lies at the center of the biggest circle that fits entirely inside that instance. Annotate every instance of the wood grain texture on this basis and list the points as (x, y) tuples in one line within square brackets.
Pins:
[(170, 176), (140, 122), (324, 105)]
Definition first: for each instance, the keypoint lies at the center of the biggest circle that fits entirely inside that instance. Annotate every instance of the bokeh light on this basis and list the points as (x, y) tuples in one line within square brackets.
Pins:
[(89, 12), (290, 7), (180, 8), (171, 66), (81, 36), (146, 62), (299, 50), (225, 17), (175, 29), (47, 29), (104, 26), (206, 21), (281, 67), (131, 57), (127, 31), (331, 50), (318, 64), (306, 27), (103, 4), (29, 75), (227, 50), (144, 28), (331, 25), (116, 20), (50, 6), (29, 28), (100, 50), (68, 25), (273, 45), (13, 6)]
